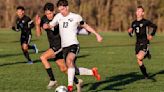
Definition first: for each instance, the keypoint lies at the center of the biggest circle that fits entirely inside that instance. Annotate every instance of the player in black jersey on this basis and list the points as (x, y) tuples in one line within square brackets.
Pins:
[(140, 26), (54, 51), (24, 24)]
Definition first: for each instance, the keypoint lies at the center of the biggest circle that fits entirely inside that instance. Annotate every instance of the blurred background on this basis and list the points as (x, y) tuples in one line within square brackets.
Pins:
[(104, 15)]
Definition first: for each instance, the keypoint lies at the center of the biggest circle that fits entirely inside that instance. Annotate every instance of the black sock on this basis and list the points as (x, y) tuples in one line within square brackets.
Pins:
[(31, 47), (26, 54), (76, 81), (143, 70), (50, 74)]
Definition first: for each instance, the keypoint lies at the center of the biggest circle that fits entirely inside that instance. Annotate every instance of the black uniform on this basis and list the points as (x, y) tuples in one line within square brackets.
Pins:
[(53, 37), (141, 31), (25, 24)]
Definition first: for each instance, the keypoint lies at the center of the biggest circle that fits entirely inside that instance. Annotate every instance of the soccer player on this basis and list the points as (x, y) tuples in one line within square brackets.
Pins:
[(68, 23), (54, 50), (140, 27), (25, 24)]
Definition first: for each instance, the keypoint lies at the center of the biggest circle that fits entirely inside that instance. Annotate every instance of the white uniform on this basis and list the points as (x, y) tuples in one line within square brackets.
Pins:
[(68, 27)]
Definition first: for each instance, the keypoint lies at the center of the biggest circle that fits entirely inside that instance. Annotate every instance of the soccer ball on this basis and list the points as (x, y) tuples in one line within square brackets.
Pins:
[(61, 89)]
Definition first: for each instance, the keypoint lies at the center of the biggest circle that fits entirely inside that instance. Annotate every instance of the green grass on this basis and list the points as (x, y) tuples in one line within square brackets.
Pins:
[(114, 58)]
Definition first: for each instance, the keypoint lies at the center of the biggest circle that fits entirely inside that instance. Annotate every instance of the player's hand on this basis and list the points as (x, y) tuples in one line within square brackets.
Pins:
[(37, 20), (149, 37), (13, 28), (130, 30), (46, 26), (99, 38)]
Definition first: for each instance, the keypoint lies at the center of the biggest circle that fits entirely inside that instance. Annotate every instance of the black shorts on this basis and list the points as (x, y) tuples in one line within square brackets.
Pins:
[(55, 48), (142, 47), (25, 39), (59, 55), (75, 48)]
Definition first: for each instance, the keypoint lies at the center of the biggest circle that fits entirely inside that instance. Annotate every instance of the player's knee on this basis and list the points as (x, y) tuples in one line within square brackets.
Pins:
[(70, 63), (42, 58), (24, 48), (139, 57), (63, 69)]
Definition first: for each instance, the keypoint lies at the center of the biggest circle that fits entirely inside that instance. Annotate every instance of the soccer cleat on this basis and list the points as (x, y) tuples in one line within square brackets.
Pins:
[(35, 48), (78, 86), (96, 74), (30, 62), (70, 88), (51, 84)]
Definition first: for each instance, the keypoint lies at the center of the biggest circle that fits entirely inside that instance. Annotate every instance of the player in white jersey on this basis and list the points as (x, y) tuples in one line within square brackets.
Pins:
[(68, 23)]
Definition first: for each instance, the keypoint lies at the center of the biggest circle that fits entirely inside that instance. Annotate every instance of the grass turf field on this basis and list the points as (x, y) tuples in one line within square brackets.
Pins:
[(114, 58)]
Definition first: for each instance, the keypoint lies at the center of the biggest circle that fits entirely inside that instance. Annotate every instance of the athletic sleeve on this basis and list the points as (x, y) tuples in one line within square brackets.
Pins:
[(42, 22), (29, 23), (131, 33), (80, 20), (154, 26), (54, 22)]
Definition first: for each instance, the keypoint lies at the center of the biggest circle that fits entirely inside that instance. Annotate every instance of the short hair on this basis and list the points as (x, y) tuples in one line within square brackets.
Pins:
[(141, 7), (20, 8), (62, 3), (49, 6)]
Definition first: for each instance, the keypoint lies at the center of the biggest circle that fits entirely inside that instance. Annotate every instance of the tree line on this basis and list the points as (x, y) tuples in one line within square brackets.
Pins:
[(104, 15)]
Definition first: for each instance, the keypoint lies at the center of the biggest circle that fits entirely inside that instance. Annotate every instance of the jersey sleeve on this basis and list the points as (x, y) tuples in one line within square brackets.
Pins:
[(80, 20), (131, 33), (29, 23), (54, 22), (42, 22), (154, 26), (15, 26)]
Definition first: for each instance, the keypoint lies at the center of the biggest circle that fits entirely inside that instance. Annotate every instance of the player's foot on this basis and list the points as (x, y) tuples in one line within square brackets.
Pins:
[(35, 48), (96, 74), (78, 86), (51, 84), (30, 62), (70, 88)]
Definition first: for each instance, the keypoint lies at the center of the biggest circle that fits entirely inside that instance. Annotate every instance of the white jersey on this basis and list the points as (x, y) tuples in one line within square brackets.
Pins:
[(68, 28)]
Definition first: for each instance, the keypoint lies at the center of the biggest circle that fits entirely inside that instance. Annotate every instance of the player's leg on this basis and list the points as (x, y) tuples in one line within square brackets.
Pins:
[(140, 57), (62, 66), (34, 47), (44, 59), (148, 55), (24, 47), (71, 70), (86, 71)]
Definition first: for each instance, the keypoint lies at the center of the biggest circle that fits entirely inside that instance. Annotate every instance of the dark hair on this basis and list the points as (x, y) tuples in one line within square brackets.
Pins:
[(49, 6), (62, 3), (20, 8), (141, 7)]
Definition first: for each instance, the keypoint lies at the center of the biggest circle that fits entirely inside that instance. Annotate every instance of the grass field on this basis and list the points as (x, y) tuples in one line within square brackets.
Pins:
[(114, 58)]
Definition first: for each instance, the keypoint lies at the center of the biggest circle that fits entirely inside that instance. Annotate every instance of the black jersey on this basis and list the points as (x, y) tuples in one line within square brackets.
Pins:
[(52, 34), (25, 24), (141, 30)]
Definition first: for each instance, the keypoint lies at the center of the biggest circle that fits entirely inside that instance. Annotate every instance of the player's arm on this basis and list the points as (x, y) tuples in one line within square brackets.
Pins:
[(130, 32), (154, 26), (52, 24), (29, 23), (90, 29), (15, 27), (38, 30)]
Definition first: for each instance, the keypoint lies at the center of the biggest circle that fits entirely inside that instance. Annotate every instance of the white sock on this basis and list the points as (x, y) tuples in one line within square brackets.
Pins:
[(71, 74), (85, 71)]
